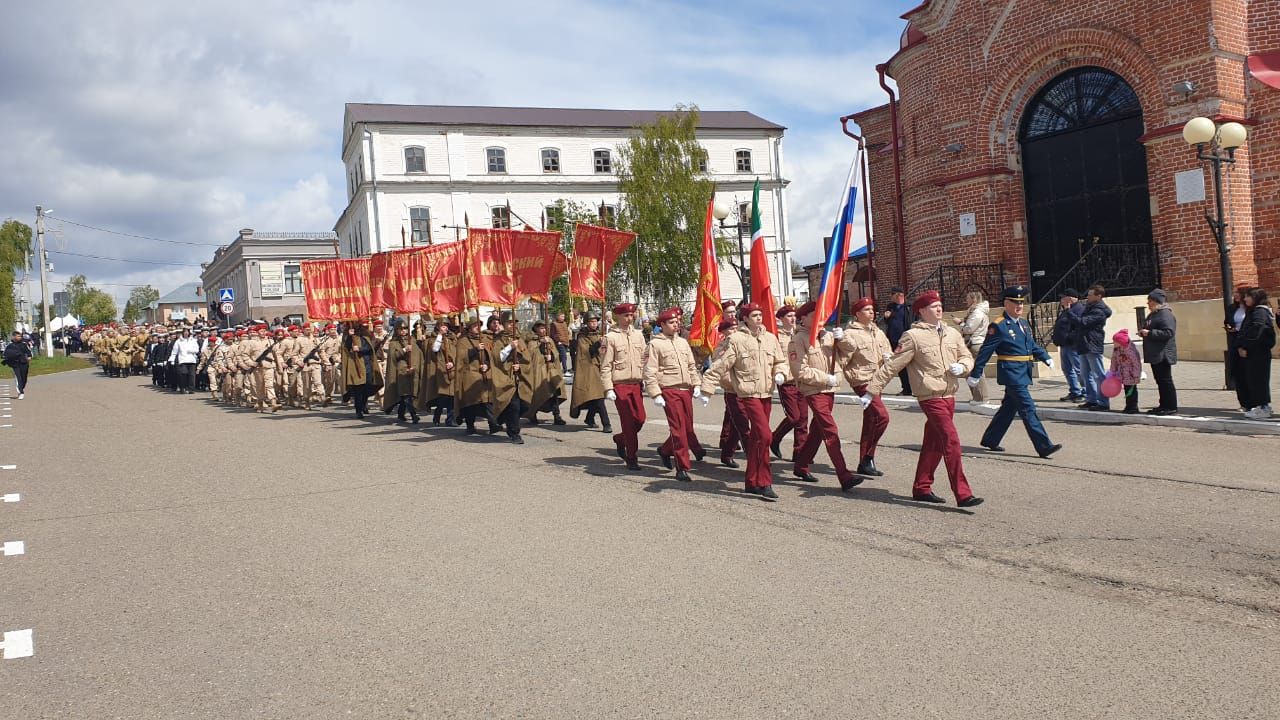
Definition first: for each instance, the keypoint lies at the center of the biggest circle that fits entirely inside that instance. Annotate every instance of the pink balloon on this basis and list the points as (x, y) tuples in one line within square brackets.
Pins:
[(1112, 386)]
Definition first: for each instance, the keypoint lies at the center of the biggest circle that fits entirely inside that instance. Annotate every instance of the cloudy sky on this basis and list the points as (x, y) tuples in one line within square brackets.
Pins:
[(185, 121)]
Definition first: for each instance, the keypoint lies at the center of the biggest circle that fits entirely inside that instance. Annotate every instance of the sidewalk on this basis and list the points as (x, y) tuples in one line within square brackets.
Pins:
[(1202, 403)]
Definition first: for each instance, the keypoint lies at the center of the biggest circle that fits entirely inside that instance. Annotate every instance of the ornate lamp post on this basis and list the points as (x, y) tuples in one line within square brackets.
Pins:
[(1211, 140), (721, 212)]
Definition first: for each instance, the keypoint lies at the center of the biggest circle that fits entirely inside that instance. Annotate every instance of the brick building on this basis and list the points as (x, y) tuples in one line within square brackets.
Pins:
[(1028, 132)]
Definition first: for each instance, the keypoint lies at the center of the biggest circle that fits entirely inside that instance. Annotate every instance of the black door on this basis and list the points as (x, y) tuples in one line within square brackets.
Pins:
[(1084, 171)]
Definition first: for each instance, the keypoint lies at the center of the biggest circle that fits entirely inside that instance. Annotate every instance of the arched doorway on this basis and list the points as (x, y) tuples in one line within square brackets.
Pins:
[(1085, 180)]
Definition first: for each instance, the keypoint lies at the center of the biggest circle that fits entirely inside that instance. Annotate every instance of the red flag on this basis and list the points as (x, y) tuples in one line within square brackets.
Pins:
[(533, 262), (410, 291), (595, 250), (444, 265), (704, 330), (490, 267), (381, 284), (336, 289)]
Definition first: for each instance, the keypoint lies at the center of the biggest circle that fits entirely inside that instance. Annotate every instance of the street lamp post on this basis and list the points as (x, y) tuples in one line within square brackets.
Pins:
[(721, 212), (1210, 140)]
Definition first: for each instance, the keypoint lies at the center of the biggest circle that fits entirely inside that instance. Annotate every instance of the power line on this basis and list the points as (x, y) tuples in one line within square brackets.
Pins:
[(125, 234), (127, 260)]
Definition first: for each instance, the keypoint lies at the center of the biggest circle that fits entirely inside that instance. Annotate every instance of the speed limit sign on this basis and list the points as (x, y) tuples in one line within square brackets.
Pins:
[(226, 308)]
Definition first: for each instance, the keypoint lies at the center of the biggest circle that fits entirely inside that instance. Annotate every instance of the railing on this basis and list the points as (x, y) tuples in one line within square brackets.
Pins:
[(1123, 269), (953, 282)]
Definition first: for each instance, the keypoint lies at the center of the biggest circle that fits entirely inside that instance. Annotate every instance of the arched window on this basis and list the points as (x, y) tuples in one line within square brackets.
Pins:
[(550, 160), (496, 160), (1079, 99), (415, 160)]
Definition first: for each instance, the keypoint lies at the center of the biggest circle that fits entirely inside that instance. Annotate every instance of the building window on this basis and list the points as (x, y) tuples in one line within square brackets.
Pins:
[(420, 225), (550, 160), (415, 160), (604, 161), (292, 279), (501, 216), (744, 216), (555, 217), (609, 215), (496, 158), (701, 162), (743, 158)]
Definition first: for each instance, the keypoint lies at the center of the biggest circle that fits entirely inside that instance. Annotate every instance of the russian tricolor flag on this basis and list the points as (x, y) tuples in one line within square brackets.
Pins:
[(829, 291)]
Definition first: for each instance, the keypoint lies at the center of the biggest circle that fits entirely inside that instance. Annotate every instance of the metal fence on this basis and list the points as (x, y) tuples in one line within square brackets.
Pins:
[(953, 282), (1123, 269)]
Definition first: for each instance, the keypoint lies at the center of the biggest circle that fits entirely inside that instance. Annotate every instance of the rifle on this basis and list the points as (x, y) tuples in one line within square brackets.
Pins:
[(310, 355), (266, 352)]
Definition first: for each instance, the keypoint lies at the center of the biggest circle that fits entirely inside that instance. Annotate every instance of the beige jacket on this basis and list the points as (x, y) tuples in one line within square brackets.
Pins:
[(750, 360), (669, 364), (862, 352), (926, 352), (784, 340), (623, 357), (811, 365), (287, 352), (974, 327)]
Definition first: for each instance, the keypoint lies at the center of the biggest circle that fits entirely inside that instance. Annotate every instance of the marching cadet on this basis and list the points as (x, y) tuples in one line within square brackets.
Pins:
[(249, 349), (286, 373), (622, 370), (795, 408), (404, 373), (439, 383), (218, 368), (158, 357), (548, 376), (511, 375), (122, 354), (814, 368), (935, 356), (205, 367), (473, 392), (359, 367), (138, 350), (733, 424), (380, 339), (330, 363), (1015, 350), (671, 380), (307, 380), (864, 348), (588, 387), (753, 360)]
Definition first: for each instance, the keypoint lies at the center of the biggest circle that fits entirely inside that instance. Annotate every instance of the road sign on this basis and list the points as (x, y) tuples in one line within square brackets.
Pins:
[(226, 295), (226, 308)]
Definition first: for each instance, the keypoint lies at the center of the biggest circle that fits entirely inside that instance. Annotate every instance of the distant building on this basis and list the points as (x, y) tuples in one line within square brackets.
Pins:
[(264, 273), (185, 304)]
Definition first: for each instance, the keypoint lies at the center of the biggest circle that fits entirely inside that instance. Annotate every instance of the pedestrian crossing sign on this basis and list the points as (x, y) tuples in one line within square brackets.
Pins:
[(226, 295)]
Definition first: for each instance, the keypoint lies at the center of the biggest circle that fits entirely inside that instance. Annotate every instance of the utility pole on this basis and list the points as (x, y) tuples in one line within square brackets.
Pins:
[(44, 282)]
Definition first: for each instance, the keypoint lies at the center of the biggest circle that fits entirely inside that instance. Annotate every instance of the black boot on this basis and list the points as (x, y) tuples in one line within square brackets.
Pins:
[(868, 467)]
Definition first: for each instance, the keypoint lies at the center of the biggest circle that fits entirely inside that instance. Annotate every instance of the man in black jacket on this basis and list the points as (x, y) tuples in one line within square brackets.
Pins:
[(1064, 336), (897, 321), (17, 355), (1160, 350), (1091, 332)]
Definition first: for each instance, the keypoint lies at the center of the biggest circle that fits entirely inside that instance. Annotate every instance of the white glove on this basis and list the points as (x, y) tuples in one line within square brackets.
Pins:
[(865, 400), (887, 357), (779, 378), (838, 333), (705, 400), (957, 369), (697, 392), (439, 343), (1144, 375), (973, 382), (611, 396), (660, 401), (833, 380), (1049, 362)]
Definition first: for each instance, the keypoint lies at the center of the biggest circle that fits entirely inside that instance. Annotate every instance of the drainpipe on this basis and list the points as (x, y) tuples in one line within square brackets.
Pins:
[(373, 177), (866, 201), (897, 182)]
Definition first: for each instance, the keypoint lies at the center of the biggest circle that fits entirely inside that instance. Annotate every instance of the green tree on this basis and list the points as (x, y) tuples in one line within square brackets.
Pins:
[(140, 298), (664, 201), (15, 246), (95, 306)]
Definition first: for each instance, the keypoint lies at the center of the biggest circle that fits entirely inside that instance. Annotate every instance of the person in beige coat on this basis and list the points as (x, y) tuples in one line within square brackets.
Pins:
[(814, 368), (935, 357), (622, 369), (864, 348), (753, 361), (671, 381)]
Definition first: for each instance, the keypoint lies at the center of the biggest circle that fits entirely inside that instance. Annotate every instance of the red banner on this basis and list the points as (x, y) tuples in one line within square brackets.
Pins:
[(533, 262), (408, 279), (444, 265), (490, 271), (704, 331), (381, 284), (336, 289), (595, 250)]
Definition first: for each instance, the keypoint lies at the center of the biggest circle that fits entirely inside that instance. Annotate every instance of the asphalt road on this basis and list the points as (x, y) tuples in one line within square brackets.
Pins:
[(184, 560)]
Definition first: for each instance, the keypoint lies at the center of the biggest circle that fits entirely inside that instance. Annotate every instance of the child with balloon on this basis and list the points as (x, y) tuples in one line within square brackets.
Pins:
[(1126, 372)]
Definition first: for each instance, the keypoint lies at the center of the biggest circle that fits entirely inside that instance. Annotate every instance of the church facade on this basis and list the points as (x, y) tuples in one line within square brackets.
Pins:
[(1029, 134)]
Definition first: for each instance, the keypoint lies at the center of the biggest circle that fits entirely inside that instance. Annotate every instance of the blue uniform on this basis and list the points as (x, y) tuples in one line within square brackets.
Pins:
[(1014, 348)]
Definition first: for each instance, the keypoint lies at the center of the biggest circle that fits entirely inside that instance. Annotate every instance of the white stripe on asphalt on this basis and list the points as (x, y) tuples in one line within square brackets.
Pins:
[(4, 426), (8, 467), (11, 497), (18, 644), (15, 547)]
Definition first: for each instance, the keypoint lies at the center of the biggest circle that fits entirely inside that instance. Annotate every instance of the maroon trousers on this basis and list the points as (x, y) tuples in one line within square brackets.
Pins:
[(630, 404), (941, 443), (680, 420), (756, 440), (796, 411), (733, 429), (875, 420), (823, 431)]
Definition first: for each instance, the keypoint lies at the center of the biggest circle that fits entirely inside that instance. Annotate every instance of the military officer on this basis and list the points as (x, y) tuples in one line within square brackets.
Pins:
[(1014, 348)]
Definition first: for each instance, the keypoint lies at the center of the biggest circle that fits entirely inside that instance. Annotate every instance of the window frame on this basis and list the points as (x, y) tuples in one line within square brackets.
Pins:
[(495, 212), (543, 155), (488, 160), (295, 276), (737, 160), (595, 161), (414, 231)]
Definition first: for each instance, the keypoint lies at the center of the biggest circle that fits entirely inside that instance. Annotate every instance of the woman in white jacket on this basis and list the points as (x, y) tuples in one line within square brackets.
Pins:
[(184, 356), (973, 326)]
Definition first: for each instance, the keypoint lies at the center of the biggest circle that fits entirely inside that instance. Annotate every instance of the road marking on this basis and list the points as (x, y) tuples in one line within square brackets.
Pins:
[(4, 426), (15, 547), (8, 467), (11, 497), (18, 644)]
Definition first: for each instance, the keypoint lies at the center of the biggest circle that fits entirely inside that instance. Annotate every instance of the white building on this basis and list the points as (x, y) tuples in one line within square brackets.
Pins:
[(415, 173)]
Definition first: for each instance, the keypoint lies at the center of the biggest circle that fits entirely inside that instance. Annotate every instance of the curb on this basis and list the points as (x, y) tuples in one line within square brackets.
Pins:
[(1199, 423)]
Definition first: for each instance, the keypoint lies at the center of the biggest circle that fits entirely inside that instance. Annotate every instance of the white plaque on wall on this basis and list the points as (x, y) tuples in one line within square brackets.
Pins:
[(272, 276), (1190, 185), (968, 224)]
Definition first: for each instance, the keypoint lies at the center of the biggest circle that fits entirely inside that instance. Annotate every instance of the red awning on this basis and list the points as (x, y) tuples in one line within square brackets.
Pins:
[(1266, 67)]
